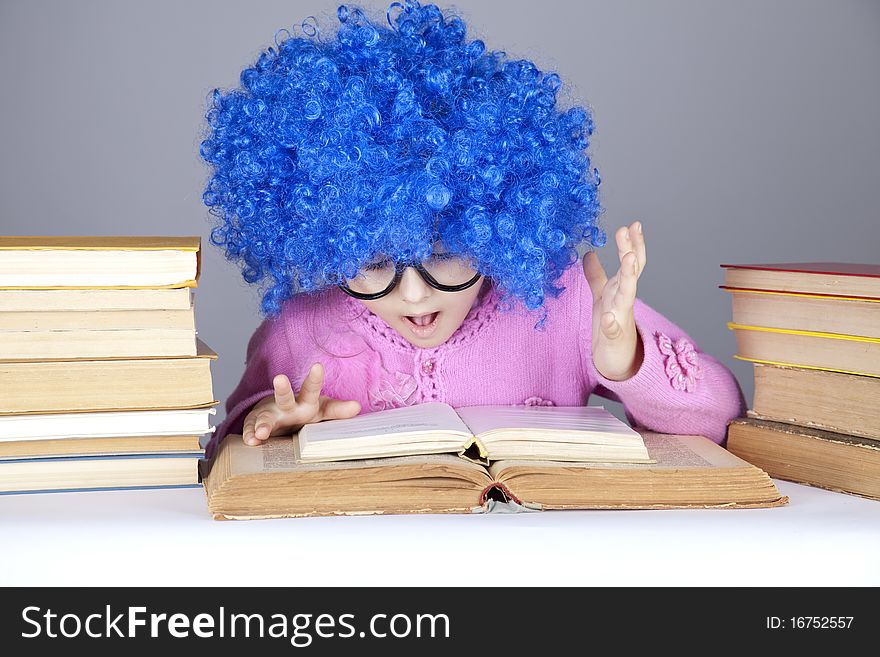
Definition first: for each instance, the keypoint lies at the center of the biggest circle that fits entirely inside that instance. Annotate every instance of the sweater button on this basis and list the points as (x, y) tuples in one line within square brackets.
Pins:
[(428, 366)]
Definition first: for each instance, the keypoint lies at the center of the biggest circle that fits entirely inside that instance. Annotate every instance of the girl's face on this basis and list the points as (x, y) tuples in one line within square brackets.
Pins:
[(424, 316)]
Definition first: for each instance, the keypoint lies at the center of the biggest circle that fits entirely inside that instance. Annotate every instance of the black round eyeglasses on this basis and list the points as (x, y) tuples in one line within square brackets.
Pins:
[(443, 272)]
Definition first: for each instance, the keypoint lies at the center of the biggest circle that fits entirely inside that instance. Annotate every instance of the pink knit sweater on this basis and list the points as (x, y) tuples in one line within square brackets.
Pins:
[(497, 356)]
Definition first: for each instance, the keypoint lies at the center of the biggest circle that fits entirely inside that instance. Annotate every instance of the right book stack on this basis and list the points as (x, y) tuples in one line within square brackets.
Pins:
[(812, 331)]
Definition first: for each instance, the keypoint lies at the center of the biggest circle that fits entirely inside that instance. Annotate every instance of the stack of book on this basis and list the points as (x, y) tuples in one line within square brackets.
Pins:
[(812, 331), (103, 381)]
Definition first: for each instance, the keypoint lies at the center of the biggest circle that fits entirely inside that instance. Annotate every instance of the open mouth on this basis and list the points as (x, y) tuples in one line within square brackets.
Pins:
[(423, 325)]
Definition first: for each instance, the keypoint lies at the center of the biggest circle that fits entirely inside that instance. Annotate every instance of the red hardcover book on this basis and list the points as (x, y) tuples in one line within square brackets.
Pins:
[(847, 280)]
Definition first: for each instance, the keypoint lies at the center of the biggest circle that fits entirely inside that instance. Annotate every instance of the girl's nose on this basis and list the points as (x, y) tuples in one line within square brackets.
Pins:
[(412, 287)]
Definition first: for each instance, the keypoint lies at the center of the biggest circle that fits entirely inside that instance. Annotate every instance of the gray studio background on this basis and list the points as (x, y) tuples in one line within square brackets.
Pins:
[(735, 131)]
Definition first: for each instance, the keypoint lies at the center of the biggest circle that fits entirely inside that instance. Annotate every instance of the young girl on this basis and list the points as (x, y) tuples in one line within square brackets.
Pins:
[(415, 203)]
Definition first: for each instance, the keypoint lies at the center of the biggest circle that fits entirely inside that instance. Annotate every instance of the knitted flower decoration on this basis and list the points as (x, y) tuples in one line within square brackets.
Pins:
[(393, 391), (682, 364)]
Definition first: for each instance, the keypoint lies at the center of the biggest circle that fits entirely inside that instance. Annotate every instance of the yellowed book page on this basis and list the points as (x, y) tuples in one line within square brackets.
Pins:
[(587, 424), (280, 455), (98, 446), (670, 452), (105, 385), (96, 300), (72, 343), (82, 268), (202, 351), (113, 320), (64, 473), (690, 471), (421, 420), (268, 482)]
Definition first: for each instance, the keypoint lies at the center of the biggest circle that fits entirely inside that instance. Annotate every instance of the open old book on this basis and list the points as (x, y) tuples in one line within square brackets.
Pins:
[(244, 483), (478, 433)]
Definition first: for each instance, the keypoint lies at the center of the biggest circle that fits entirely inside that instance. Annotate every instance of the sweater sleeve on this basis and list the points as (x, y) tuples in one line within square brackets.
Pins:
[(678, 389), (268, 354)]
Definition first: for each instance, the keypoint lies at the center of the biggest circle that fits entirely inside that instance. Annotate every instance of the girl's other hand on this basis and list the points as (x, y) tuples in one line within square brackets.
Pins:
[(617, 349), (286, 412)]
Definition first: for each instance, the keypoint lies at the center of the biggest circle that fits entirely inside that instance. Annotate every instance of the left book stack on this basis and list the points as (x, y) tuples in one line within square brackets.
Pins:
[(105, 383)]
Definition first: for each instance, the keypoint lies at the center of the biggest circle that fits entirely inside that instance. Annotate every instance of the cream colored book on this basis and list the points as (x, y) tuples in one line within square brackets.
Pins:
[(41, 262), (560, 433), (96, 334), (246, 483), (118, 445), (74, 343), (99, 473), (86, 320), (95, 300), (107, 384)]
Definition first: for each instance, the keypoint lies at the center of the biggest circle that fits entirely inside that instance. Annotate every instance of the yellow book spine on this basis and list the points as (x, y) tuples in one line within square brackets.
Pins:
[(798, 294), (801, 366), (815, 334)]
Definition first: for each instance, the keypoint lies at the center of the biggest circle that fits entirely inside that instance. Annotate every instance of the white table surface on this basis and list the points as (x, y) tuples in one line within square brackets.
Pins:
[(167, 537)]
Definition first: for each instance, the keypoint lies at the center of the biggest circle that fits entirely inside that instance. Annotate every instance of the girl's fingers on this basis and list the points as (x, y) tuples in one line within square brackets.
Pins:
[(625, 295), (624, 245), (610, 290), (594, 272), (336, 409), (264, 424), (284, 397), (247, 431), (638, 239), (631, 239), (610, 326), (254, 431), (310, 391)]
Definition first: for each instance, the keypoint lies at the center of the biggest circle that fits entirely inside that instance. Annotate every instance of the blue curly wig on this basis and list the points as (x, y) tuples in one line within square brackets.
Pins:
[(388, 140)]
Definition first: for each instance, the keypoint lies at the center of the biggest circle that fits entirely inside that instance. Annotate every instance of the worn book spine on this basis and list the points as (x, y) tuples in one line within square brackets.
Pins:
[(838, 462), (841, 279), (849, 354), (98, 472), (841, 403), (85, 301), (109, 385), (81, 344), (806, 313)]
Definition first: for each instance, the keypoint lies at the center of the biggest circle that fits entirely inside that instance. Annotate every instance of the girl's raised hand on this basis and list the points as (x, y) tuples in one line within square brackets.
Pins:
[(286, 412), (617, 349)]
